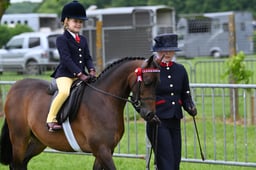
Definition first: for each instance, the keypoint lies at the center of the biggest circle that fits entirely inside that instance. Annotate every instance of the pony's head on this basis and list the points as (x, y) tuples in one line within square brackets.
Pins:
[(143, 90)]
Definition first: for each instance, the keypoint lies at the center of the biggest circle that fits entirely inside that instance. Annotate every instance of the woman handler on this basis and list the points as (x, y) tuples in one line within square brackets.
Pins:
[(172, 93)]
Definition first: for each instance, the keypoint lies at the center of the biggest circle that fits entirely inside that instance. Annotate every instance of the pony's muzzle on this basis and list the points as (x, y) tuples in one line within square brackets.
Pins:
[(150, 116), (147, 115)]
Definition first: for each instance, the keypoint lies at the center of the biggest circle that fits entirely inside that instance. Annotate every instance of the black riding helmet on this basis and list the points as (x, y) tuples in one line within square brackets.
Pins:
[(73, 10)]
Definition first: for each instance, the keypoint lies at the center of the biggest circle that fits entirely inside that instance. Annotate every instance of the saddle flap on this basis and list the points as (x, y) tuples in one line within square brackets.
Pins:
[(71, 105)]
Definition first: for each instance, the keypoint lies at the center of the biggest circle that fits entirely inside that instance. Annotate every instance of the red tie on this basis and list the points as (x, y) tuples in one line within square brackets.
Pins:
[(168, 64), (77, 38)]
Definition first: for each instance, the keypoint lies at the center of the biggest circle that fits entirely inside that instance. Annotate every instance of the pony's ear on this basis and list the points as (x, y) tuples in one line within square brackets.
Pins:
[(148, 62), (156, 60), (159, 59), (151, 60)]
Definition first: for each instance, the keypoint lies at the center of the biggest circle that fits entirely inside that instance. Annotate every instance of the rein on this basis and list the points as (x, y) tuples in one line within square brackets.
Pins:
[(137, 101), (109, 94)]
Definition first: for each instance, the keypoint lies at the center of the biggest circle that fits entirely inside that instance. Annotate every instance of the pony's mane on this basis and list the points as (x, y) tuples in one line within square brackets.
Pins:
[(117, 62)]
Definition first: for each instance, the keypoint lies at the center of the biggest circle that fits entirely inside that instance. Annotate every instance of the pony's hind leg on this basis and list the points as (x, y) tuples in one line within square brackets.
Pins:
[(22, 157), (35, 147), (20, 139), (18, 152), (12, 148)]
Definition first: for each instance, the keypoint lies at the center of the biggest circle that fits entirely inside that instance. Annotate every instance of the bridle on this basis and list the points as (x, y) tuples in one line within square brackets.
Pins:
[(135, 101)]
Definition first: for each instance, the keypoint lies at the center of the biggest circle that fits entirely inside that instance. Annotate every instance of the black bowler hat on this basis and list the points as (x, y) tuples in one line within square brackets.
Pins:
[(73, 10), (166, 42)]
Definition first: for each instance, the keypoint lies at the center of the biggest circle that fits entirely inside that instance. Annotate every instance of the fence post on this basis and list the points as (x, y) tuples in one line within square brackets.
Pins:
[(232, 52), (99, 44), (253, 114), (232, 35), (1, 102)]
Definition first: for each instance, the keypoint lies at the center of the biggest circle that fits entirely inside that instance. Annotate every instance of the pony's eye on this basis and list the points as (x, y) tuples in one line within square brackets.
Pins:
[(148, 82)]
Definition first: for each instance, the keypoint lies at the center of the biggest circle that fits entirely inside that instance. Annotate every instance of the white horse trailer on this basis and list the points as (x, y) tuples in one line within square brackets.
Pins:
[(127, 31), (37, 21), (208, 34)]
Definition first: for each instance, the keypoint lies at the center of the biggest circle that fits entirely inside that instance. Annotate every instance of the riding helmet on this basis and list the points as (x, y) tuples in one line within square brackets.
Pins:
[(73, 10), (166, 42)]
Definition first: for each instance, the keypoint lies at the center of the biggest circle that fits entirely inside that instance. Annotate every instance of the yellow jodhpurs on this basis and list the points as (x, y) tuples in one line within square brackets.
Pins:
[(64, 84)]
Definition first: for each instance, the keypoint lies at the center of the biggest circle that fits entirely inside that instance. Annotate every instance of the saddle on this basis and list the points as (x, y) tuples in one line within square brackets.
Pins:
[(71, 105)]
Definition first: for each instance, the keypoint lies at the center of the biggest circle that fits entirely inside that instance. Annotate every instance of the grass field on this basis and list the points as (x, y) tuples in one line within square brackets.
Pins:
[(52, 161), (80, 162)]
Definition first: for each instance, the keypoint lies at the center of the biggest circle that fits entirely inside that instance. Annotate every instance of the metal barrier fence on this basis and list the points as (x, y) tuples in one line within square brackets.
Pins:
[(199, 71), (226, 138)]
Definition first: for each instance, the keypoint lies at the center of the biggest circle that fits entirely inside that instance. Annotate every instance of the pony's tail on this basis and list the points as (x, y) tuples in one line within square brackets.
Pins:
[(5, 145)]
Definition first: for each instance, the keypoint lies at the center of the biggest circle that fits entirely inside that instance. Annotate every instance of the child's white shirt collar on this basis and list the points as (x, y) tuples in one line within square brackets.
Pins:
[(73, 34)]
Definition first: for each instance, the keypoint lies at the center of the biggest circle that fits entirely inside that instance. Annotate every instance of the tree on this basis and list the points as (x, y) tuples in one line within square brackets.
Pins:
[(237, 73), (181, 6), (3, 6)]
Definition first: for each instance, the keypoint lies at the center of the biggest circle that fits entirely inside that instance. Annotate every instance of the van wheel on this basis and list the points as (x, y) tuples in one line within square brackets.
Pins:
[(216, 54), (32, 68)]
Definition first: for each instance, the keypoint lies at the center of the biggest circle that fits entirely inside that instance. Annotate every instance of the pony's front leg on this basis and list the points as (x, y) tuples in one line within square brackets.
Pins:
[(104, 160), (97, 165), (21, 167)]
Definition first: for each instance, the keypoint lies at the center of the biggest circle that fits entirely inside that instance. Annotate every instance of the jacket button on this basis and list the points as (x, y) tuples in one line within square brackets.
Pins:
[(167, 68), (173, 103), (172, 94), (80, 55), (169, 76), (171, 85), (80, 61), (80, 49)]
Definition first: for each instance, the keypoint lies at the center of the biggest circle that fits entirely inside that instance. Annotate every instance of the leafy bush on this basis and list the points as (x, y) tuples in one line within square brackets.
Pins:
[(236, 69), (4, 34)]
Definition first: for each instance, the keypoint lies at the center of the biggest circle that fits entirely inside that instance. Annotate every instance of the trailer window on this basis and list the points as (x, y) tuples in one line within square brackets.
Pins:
[(199, 25), (117, 20)]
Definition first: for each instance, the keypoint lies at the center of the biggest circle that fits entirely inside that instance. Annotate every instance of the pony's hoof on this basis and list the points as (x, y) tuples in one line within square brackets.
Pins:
[(53, 126)]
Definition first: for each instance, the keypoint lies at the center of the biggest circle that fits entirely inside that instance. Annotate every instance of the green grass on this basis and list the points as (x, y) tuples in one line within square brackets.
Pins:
[(82, 162), (78, 162)]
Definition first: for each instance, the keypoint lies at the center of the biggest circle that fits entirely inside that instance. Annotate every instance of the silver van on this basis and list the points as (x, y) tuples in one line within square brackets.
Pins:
[(25, 52)]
